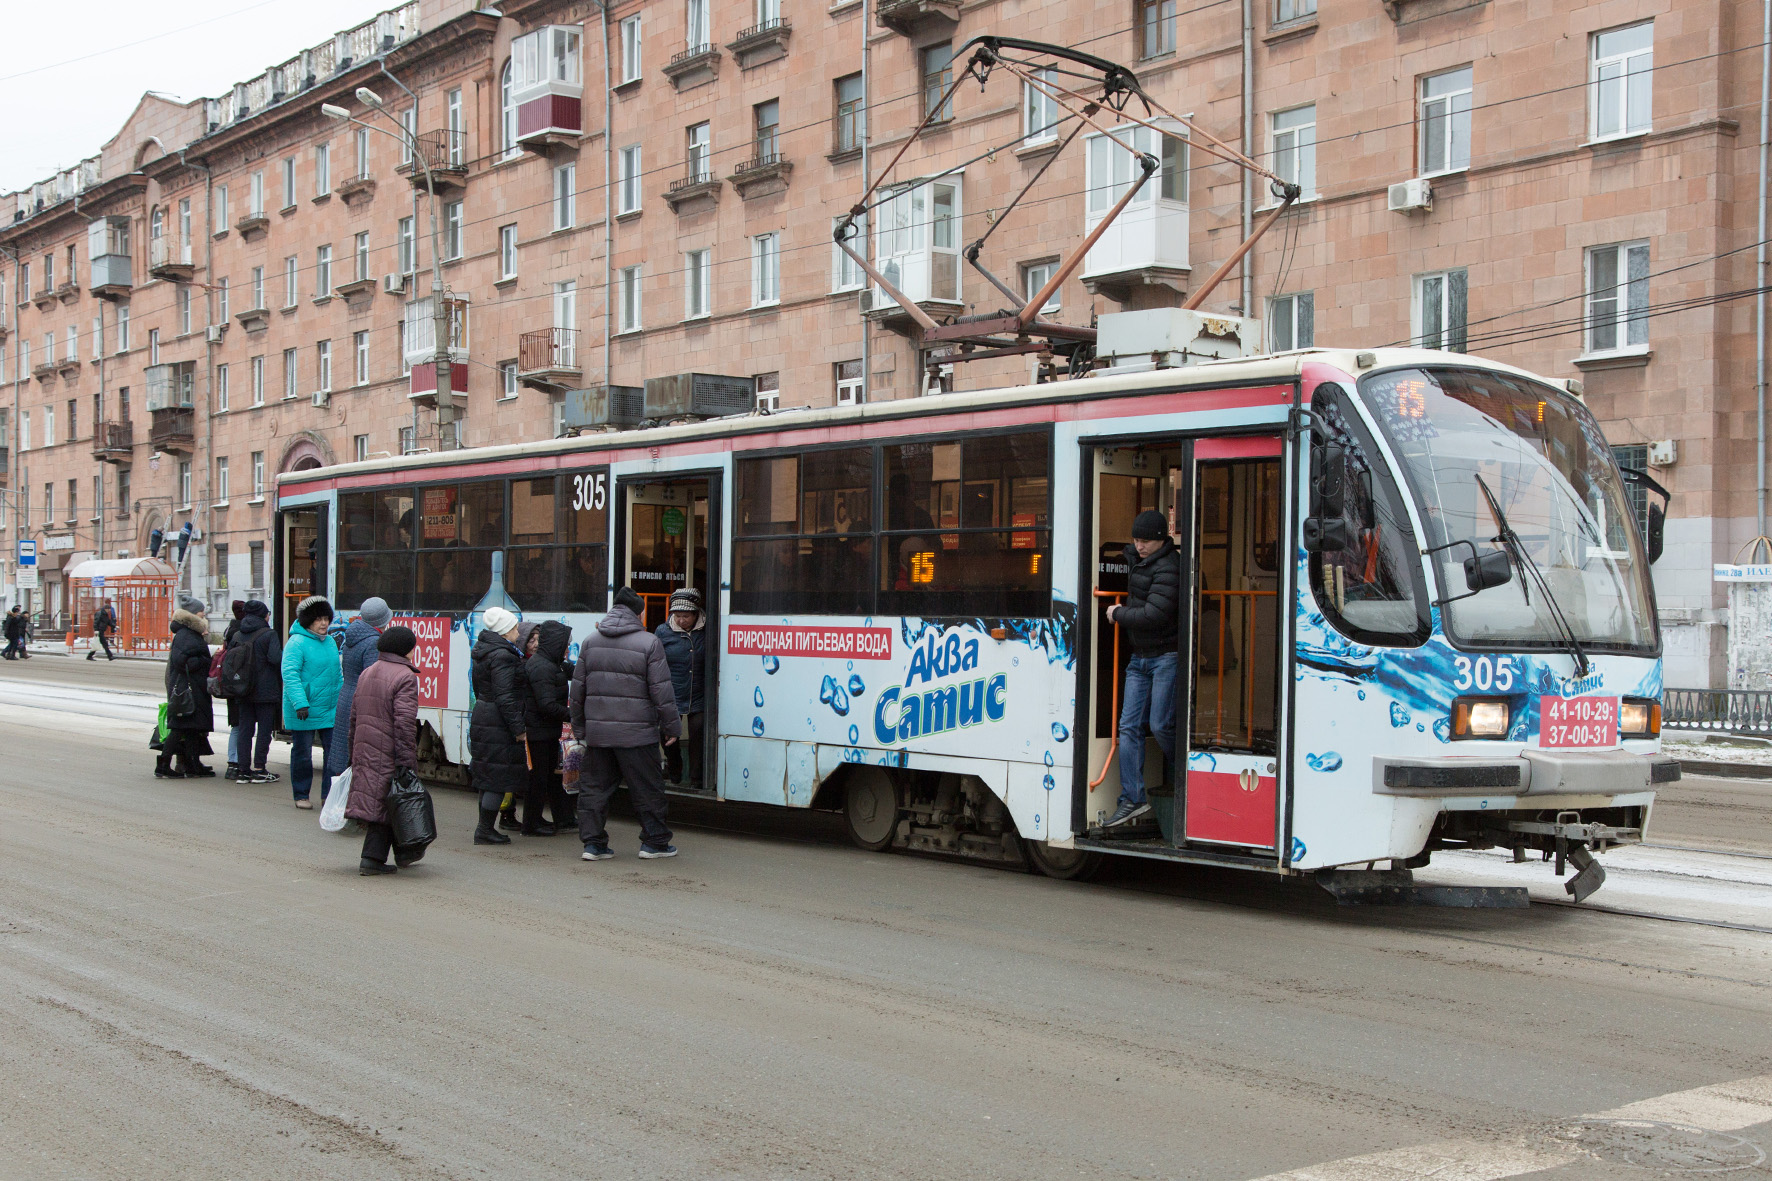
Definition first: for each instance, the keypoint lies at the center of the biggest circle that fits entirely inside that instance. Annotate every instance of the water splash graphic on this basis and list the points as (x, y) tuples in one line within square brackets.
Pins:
[(1048, 758), (854, 736), (834, 695), (771, 664), (1327, 761), (757, 729), (856, 686), (1443, 729), (1060, 732), (757, 697), (1399, 716)]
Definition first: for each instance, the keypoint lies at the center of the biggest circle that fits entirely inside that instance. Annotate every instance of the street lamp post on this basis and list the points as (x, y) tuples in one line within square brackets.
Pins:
[(440, 309)]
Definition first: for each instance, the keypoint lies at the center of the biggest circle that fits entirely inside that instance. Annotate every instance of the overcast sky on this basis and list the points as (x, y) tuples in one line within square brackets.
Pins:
[(77, 71)]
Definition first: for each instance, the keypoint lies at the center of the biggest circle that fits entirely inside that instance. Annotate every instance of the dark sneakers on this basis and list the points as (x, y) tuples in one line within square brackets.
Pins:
[(653, 852), (1127, 813), (167, 773), (598, 853)]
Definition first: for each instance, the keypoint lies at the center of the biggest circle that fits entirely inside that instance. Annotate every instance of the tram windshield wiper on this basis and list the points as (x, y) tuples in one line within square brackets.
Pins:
[(1510, 541)]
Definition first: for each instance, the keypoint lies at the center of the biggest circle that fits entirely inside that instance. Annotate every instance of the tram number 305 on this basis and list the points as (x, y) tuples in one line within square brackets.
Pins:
[(1484, 674), (590, 492)]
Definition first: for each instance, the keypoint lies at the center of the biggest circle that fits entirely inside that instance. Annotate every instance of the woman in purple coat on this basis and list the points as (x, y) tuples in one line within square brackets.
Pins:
[(383, 738)]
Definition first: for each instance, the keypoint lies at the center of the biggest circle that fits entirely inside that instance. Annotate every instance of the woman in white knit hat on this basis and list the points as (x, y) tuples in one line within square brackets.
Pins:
[(497, 738)]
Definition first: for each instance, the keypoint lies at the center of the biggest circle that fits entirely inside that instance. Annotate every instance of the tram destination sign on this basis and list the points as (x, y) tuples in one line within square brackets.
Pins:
[(853, 643)]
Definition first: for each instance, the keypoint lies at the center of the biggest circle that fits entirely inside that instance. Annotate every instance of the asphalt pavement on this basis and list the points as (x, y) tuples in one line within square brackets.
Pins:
[(194, 982)]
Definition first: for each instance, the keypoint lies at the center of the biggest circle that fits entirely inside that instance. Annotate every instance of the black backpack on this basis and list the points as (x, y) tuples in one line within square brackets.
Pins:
[(239, 671)]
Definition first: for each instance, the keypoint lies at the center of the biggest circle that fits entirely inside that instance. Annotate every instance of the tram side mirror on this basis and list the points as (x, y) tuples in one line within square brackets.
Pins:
[(1328, 467), (1491, 569), (1657, 527), (1325, 533)]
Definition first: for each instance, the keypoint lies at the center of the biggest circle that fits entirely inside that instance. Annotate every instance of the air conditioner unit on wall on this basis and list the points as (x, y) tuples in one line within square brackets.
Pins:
[(322, 398), (213, 333), (393, 284), (1411, 195)]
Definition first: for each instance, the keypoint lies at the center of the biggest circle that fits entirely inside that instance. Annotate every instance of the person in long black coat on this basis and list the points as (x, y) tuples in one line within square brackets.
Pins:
[(190, 713), (544, 712), (497, 734)]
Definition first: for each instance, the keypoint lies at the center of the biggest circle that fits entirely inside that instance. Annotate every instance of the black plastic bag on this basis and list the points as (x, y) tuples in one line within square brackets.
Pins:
[(409, 809)]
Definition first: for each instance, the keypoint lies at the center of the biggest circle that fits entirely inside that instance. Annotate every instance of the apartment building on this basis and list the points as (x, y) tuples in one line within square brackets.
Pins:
[(241, 286)]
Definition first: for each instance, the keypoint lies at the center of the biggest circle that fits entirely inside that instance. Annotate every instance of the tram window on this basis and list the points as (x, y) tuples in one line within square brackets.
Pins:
[(462, 515), (805, 533), (1372, 591), (532, 510), (542, 575), (364, 575), (452, 579)]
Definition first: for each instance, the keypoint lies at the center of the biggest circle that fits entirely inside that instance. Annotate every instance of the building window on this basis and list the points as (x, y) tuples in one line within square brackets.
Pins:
[(221, 388), (221, 209), (507, 380), (359, 448), (566, 320), (255, 196), (1156, 27), (765, 269), (73, 501), (846, 273), (408, 259), (1291, 322), (938, 74), (507, 252), (698, 143), (49, 501), (124, 500), (507, 106), (258, 381), (184, 484), (1039, 110), (98, 497), (409, 124), (184, 230), (184, 312), (221, 479), (322, 272), (290, 271), (362, 153), (219, 564), (71, 341), (1618, 297), (360, 350), (627, 188), (630, 300), (565, 186), (408, 441), (452, 109), (1440, 300), (1036, 275), (256, 564), (1294, 138), (49, 426), (849, 117), (917, 240), (258, 288), (221, 300), (289, 183), (698, 283), (289, 373), (452, 229), (323, 365), (1446, 122), (768, 392), (153, 346), (1622, 80), (258, 491), (765, 126), (322, 169), (361, 271), (630, 49), (73, 419), (1291, 10), (848, 375), (697, 38), (122, 328)]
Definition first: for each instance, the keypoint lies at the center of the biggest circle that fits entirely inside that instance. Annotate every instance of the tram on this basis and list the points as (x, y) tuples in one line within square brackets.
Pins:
[(1420, 617)]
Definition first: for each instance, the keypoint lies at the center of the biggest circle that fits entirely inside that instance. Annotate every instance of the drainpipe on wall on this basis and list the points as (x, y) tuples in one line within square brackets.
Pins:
[(206, 445), (608, 201), (1761, 545), (15, 475), (867, 116), (1247, 274)]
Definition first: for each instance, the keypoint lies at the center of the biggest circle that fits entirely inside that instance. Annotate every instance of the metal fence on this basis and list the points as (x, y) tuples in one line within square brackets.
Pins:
[(1736, 711)]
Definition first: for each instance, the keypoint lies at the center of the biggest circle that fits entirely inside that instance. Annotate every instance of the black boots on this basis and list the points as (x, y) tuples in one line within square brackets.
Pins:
[(487, 833), (163, 768), (367, 868)]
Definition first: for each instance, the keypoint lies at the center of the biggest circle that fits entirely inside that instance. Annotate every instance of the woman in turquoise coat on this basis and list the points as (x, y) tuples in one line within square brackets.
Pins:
[(311, 680)]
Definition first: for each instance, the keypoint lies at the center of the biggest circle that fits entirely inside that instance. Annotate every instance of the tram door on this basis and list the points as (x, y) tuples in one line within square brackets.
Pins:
[(669, 539), (300, 560)]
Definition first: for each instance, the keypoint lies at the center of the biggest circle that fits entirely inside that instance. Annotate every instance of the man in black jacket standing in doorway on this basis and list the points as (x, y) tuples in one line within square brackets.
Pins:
[(1151, 616)]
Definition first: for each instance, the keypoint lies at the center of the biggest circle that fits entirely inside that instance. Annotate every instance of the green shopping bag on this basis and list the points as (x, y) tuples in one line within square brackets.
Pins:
[(161, 729)]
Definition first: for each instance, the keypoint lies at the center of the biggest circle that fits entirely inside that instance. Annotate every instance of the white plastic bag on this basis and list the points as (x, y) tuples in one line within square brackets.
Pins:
[(332, 813)]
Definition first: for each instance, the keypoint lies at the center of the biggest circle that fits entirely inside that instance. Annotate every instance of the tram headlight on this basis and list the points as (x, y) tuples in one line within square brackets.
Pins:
[(1481, 717), (1638, 718)]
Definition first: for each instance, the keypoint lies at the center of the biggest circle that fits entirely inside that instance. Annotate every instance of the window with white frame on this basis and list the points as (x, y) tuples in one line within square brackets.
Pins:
[(360, 350), (698, 283), (457, 133), (289, 183), (1291, 10), (1034, 276), (255, 195), (360, 271), (765, 269), (697, 27), (1039, 110), (221, 209), (1292, 136), (917, 240), (768, 386), (184, 229), (322, 271), (291, 366), (49, 426), (768, 12), (1291, 322), (258, 287), (566, 323), (184, 310), (184, 484), (697, 150), (221, 388), (153, 346), (507, 380), (221, 479), (408, 440), (362, 153), (565, 189), (359, 448), (627, 174), (846, 273), (323, 366), (507, 106), (1441, 299), (123, 328), (221, 301), (1445, 140), (507, 252), (629, 289), (849, 382), (1621, 80), (322, 169), (258, 491), (630, 49), (1156, 27), (452, 229), (1618, 297), (98, 342), (291, 271), (408, 258), (71, 343), (408, 124), (258, 381)]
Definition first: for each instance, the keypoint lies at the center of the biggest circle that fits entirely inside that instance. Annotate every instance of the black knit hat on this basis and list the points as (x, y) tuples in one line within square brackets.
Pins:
[(626, 597), (397, 641), (1150, 525)]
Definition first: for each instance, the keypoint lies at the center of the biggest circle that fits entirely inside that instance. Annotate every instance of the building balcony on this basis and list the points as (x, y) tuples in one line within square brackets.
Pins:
[(696, 66), (762, 42), (113, 442), (170, 259), (252, 225), (68, 292), (547, 86), (356, 289), (45, 298), (254, 319), (68, 367), (697, 185), (43, 370), (357, 189), (912, 18), (446, 153), (1145, 247), (547, 359), (766, 172), (111, 276), (173, 430)]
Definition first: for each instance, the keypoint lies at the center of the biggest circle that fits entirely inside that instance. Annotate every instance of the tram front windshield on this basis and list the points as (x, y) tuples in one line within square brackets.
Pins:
[(1543, 458)]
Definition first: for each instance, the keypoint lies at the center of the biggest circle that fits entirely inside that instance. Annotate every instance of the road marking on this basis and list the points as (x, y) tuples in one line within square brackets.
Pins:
[(1721, 1107)]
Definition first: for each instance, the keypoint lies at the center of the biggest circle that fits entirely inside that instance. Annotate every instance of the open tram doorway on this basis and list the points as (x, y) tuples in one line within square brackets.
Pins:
[(300, 560), (1222, 499), (668, 538)]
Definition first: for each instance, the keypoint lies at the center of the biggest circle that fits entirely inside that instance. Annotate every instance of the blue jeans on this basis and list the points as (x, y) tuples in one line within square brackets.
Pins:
[(1148, 706), (301, 763)]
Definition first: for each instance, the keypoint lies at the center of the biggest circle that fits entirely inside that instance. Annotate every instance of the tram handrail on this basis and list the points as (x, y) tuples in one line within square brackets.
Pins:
[(1114, 745)]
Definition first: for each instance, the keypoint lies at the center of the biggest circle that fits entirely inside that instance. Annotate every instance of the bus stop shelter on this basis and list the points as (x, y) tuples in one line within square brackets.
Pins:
[(140, 590)]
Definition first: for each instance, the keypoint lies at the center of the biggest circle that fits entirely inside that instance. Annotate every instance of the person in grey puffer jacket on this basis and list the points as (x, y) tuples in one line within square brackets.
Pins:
[(622, 703), (358, 654)]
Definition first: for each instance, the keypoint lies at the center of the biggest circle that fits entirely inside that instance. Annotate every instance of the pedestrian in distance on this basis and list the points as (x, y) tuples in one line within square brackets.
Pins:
[(310, 696), (238, 607), (684, 637), (497, 735), (545, 710), (190, 712), (382, 738), (104, 625), (253, 671), (358, 653), (17, 629), (622, 705), (1151, 617)]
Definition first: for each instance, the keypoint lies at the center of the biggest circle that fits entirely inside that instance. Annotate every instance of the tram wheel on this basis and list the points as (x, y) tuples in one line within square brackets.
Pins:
[(1067, 865), (870, 807)]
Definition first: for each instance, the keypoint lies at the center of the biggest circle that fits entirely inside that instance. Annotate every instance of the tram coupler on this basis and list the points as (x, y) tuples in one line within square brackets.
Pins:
[(1573, 841), (1397, 887)]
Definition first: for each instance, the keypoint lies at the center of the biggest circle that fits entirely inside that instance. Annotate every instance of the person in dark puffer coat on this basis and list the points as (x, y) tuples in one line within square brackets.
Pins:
[(1151, 618), (496, 732), (187, 668), (357, 654), (260, 710), (684, 636), (544, 712), (383, 738)]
